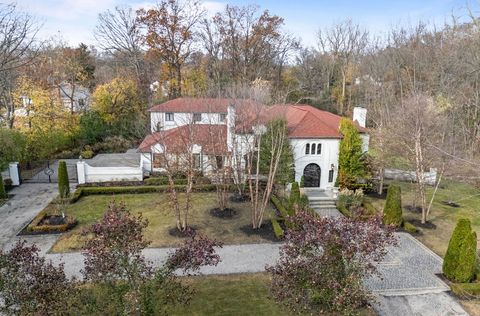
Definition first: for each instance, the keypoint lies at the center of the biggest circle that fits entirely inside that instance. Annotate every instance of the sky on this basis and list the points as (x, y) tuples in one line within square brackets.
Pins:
[(74, 20)]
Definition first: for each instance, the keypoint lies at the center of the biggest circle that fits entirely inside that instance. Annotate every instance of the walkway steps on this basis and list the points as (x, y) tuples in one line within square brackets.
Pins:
[(323, 203)]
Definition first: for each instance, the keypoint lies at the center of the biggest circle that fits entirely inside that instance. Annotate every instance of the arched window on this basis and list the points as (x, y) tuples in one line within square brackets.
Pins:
[(319, 149), (307, 149), (313, 149)]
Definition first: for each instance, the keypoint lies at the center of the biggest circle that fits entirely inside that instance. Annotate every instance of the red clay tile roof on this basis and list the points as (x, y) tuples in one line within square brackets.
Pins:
[(197, 105), (212, 138), (305, 121)]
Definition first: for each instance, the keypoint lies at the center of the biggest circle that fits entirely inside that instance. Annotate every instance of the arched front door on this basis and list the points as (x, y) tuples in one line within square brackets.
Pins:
[(311, 175)]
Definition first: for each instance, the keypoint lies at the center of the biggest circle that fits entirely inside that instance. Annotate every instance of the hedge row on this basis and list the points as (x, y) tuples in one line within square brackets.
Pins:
[(279, 206), (163, 181), (466, 289), (277, 229), (84, 191), (34, 226), (410, 228)]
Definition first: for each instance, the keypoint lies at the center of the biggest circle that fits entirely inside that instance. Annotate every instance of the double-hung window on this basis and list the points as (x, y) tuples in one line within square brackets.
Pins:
[(169, 116)]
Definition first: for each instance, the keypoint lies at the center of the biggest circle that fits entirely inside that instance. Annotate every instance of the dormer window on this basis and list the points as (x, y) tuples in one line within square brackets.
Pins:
[(223, 117), (169, 117), (197, 117)]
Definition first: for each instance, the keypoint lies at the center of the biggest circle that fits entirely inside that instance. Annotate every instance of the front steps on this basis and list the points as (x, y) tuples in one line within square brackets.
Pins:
[(323, 203)]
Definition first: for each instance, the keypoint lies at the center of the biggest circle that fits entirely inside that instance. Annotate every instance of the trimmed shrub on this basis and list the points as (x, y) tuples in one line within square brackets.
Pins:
[(279, 206), (63, 185), (3, 193), (369, 208), (34, 226), (84, 191), (410, 228), (467, 260), (277, 229), (87, 153), (294, 198), (302, 182), (466, 289), (392, 211), (163, 181), (450, 262)]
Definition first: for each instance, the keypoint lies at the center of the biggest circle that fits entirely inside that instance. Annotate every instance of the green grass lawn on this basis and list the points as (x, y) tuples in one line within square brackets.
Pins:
[(443, 216), (155, 207), (241, 294)]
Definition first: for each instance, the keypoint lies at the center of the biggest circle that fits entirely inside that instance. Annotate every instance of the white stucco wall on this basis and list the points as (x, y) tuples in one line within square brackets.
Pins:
[(180, 119), (324, 160), (89, 174)]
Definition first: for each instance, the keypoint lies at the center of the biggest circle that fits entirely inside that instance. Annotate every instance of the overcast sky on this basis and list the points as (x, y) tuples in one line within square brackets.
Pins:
[(74, 20)]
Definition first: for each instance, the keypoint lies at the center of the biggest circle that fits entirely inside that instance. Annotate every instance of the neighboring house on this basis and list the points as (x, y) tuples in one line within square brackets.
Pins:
[(221, 130), (74, 97)]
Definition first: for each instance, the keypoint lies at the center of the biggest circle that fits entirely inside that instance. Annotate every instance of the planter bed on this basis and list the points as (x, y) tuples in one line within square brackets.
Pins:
[(45, 223)]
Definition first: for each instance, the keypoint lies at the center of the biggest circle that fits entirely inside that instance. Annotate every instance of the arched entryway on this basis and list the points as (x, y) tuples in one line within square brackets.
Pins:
[(311, 175)]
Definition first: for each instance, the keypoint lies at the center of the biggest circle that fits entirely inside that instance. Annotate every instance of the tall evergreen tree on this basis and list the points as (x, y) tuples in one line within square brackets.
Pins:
[(350, 164), (63, 185)]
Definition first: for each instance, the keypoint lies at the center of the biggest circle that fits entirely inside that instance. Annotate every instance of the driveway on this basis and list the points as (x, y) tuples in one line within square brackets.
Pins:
[(28, 199)]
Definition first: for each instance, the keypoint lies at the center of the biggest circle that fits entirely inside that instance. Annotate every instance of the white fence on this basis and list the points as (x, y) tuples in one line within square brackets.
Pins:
[(89, 174), (403, 175)]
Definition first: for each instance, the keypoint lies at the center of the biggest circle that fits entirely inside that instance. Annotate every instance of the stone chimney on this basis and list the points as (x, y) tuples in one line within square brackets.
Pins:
[(360, 115)]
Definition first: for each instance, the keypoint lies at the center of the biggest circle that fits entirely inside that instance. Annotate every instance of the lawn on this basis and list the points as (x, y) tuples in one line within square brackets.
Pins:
[(155, 207), (444, 217), (241, 294)]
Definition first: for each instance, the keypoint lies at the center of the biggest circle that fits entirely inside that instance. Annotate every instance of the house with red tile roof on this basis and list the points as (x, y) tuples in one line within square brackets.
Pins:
[(215, 130)]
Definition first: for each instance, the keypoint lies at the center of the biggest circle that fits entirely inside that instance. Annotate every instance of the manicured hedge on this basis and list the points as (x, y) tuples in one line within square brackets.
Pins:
[(392, 211), (63, 183), (279, 206), (163, 181), (461, 233), (84, 191), (34, 226), (467, 260), (409, 227), (294, 198), (277, 229), (466, 289)]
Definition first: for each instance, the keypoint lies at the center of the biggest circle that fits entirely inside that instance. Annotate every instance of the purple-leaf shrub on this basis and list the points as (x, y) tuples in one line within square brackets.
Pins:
[(115, 250), (325, 260), (196, 252), (30, 285)]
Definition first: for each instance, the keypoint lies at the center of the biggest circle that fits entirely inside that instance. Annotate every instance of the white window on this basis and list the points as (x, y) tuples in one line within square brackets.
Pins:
[(197, 161), (307, 149), (319, 149), (197, 117), (169, 117), (313, 149), (223, 117)]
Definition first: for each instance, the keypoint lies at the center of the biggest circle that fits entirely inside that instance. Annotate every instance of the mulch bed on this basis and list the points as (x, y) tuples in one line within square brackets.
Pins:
[(410, 208), (183, 234), (265, 231), (450, 203), (374, 194), (227, 213), (418, 223), (239, 198), (51, 220)]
